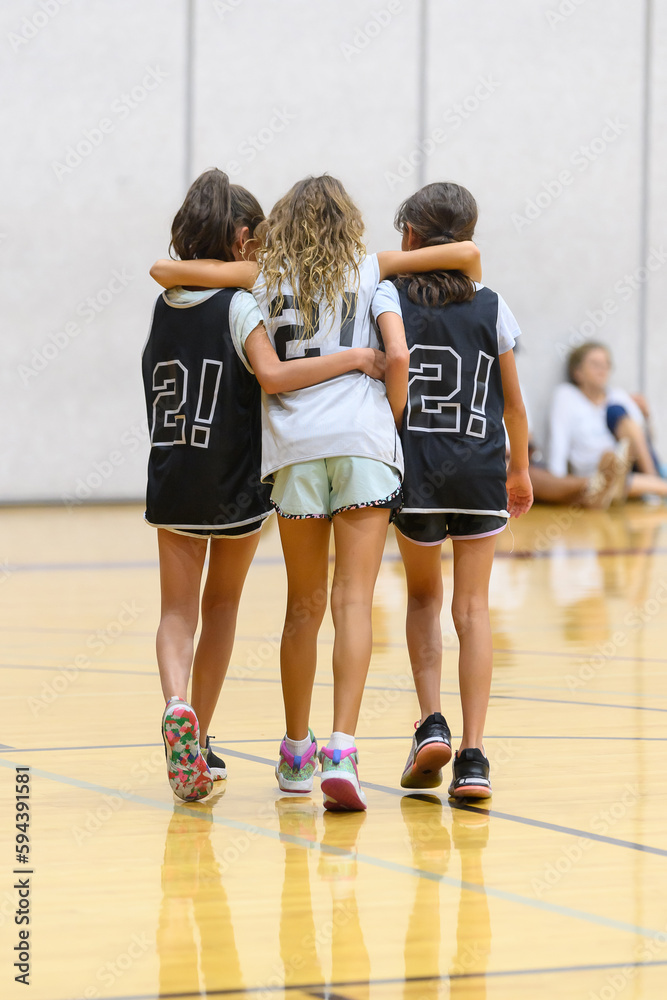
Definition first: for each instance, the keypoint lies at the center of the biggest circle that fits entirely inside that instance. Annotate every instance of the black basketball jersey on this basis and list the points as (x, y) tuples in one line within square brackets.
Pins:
[(453, 435), (204, 417)]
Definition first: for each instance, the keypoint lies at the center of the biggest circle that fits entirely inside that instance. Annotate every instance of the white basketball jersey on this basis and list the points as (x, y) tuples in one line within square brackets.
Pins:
[(347, 415)]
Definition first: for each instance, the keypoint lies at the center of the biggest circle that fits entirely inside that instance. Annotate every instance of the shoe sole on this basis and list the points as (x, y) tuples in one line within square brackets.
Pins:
[(192, 780), (470, 792), (301, 787), (340, 795), (426, 772)]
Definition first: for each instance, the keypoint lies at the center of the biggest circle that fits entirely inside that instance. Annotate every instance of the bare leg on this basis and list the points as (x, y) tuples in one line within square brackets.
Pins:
[(360, 536), (548, 488), (423, 573), (640, 483), (639, 449), (181, 565), (229, 562), (473, 559), (306, 550)]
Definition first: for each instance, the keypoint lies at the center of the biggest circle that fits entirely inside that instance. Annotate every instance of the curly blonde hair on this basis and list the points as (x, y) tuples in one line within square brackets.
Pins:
[(312, 239)]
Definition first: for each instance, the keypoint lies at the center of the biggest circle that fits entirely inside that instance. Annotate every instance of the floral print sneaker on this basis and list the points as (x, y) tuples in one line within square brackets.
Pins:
[(340, 780), (294, 773), (188, 772)]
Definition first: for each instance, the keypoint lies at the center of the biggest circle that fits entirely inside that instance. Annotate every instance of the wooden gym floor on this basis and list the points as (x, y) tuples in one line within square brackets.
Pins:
[(556, 888)]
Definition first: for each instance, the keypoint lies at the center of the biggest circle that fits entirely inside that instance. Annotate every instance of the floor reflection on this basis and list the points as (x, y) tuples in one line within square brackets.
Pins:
[(470, 834), (298, 933), (337, 866), (195, 935), (430, 924), (196, 942)]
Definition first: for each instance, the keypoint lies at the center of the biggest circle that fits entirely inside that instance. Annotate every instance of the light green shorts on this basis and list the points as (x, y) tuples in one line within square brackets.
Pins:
[(326, 486)]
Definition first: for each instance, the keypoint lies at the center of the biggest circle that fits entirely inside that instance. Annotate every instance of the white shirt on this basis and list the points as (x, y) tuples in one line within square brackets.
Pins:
[(346, 415), (386, 299), (579, 435)]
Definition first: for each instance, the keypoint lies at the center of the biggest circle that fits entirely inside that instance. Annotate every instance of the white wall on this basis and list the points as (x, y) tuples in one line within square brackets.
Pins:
[(513, 91)]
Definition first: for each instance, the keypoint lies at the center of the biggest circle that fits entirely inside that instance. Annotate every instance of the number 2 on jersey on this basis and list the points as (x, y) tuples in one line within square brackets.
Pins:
[(170, 382), (284, 333), (435, 382)]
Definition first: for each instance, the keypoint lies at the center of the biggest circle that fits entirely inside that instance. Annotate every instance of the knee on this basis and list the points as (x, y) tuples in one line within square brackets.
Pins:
[(426, 597), (306, 611), (182, 615), (346, 596), (617, 419), (219, 605), (469, 612)]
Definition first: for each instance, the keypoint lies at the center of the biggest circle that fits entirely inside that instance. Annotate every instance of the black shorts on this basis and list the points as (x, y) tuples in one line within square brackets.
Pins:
[(433, 529), (231, 531)]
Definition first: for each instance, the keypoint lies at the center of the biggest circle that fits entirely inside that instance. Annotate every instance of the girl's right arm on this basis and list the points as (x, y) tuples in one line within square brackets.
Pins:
[(275, 375), (464, 256), (398, 362), (205, 273)]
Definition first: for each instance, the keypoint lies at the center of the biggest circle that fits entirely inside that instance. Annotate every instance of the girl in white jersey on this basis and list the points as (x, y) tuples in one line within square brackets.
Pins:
[(332, 452)]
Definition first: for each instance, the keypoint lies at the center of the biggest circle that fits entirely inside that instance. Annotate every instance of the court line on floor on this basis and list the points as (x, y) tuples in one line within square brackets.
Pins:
[(389, 790), (275, 835), (240, 991), (378, 643), (481, 811), (271, 739), (388, 557), (369, 687)]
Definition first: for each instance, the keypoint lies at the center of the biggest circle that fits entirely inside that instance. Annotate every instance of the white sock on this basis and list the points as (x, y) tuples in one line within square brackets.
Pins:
[(341, 741), (297, 747)]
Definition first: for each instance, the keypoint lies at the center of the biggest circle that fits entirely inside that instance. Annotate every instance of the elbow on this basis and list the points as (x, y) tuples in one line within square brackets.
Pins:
[(399, 359), (473, 253), (515, 411), (157, 273), (269, 385), (271, 381)]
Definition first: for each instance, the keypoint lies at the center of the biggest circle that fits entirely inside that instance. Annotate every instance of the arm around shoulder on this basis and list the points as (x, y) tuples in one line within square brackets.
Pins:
[(275, 375), (204, 273), (463, 256)]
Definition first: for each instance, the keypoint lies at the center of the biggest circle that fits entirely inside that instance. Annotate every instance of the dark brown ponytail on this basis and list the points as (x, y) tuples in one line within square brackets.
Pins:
[(438, 213), (207, 222)]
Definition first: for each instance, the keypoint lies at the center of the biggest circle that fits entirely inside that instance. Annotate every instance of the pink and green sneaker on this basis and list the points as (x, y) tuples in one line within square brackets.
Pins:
[(340, 780), (295, 773), (188, 772)]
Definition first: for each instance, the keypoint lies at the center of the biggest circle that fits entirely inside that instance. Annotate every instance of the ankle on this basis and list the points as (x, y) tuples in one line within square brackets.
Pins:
[(341, 741), (297, 747)]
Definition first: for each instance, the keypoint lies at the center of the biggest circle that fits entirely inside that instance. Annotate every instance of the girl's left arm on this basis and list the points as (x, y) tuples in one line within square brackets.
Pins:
[(519, 487), (464, 256), (275, 375), (205, 273)]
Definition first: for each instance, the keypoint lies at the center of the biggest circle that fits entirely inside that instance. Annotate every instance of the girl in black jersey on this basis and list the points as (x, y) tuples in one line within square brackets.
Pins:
[(203, 407), (462, 383)]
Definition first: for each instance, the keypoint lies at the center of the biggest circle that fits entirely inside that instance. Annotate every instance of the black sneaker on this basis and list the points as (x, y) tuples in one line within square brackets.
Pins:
[(431, 750), (471, 775), (216, 765)]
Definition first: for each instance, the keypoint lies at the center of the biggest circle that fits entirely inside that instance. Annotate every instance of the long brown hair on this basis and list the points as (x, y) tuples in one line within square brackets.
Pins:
[(438, 213), (313, 239), (207, 222)]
